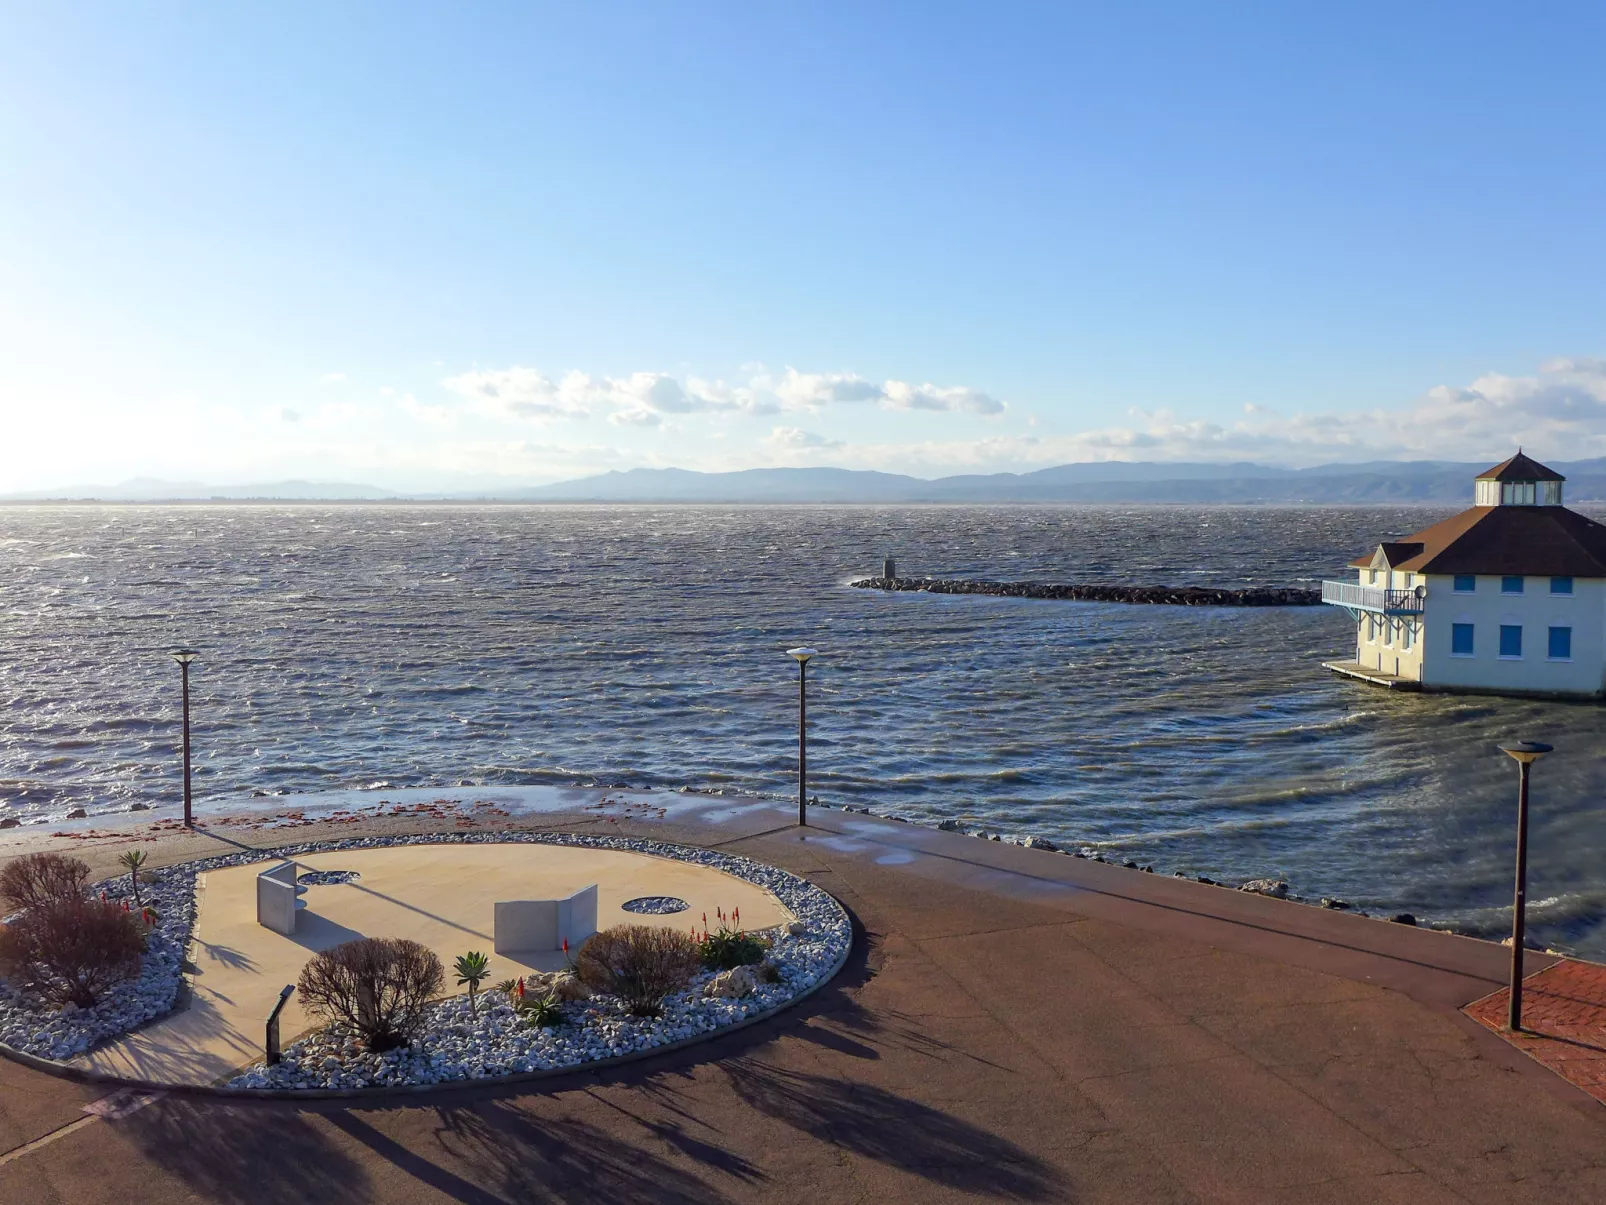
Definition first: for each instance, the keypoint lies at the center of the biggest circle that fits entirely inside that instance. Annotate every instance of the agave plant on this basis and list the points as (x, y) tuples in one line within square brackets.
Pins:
[(472, 970), (540, 1012), (133, 861)]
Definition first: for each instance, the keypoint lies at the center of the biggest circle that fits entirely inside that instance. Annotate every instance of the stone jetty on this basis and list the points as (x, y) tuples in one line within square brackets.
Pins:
[(1174, 596)]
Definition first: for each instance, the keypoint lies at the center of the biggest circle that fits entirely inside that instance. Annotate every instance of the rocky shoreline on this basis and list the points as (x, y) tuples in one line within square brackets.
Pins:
[(1173, 596)]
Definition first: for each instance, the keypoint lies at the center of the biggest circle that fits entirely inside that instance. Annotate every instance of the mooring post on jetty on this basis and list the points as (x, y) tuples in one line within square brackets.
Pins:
[(889, 569)]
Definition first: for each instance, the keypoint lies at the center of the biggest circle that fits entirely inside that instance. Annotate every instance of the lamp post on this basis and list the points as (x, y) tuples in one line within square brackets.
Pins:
[(184, 657), (802, 655), (1525, 753)]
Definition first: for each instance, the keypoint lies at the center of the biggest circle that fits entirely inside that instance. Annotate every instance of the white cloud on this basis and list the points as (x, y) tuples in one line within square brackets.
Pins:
[(331, 378), (635, 418), (812, 390), (902, 396), (795, 439), (1558, 413), (529, 394)]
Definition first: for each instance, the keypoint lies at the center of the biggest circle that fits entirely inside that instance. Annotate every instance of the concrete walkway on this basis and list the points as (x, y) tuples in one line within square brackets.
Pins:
[(1016, 1025)]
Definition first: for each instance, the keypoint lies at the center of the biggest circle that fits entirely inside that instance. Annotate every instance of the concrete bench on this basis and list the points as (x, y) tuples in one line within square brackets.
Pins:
[(279, 898), (523, 926)]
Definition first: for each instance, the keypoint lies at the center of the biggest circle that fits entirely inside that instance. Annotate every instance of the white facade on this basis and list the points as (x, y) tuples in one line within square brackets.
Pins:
[(1478, 632), (1488, 608)]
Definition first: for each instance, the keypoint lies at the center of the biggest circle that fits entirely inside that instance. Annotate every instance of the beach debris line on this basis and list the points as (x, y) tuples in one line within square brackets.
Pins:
[(1175, 596)]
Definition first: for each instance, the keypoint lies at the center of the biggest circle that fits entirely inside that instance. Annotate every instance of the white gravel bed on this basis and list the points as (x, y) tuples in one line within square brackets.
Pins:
[(452, 1046)]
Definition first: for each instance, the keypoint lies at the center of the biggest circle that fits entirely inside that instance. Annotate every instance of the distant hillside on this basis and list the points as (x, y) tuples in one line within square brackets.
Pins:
[(1427, 481), (1136, 482)]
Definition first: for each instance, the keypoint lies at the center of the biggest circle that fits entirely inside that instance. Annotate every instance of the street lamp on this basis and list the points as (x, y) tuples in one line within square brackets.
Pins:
[(184, 657), (802, 655), (1525, 753)]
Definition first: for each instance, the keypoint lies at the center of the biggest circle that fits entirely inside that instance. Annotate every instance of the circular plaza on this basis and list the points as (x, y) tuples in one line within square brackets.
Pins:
[(530, 954)]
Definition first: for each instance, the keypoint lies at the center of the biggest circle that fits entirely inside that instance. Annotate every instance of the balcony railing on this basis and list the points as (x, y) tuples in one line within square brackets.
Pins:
[(1374, 598)]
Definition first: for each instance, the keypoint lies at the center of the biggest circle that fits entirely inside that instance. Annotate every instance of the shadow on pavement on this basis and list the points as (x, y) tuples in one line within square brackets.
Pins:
[(525, 1158), (255, 1156), (898, 1132)]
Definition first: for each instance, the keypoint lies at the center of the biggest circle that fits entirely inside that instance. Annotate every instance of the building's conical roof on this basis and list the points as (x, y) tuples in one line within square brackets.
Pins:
[(1520, 468)]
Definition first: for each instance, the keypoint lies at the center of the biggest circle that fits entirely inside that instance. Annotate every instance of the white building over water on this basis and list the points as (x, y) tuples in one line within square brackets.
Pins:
[(1508, 597)]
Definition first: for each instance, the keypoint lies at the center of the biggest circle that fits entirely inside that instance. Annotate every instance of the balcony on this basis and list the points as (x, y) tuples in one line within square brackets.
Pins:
[(1374, 599)]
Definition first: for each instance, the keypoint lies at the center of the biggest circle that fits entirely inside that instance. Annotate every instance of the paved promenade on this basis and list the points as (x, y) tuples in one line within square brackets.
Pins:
[(1015, 1025)]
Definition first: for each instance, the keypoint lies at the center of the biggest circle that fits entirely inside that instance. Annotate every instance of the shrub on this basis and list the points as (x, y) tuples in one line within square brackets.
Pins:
[(34, 878), (70, 949), (639, 964), (376, 985)]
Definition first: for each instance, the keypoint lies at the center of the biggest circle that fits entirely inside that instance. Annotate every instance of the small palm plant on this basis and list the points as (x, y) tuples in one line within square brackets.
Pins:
[(472, 970), (133, 861)]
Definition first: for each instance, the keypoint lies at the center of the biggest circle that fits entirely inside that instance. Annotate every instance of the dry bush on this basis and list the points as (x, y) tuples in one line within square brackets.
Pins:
[(639, 964), (377, 985), (34, 878), (70, 949)]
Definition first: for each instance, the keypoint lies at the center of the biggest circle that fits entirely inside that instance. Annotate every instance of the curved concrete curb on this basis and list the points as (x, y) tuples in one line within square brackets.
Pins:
[(77, 1075)]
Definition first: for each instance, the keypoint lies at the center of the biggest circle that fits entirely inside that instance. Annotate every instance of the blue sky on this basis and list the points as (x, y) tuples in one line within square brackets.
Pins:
[(465, 244)]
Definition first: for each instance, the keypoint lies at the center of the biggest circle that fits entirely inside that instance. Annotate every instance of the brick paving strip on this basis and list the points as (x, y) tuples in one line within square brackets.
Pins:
[(1563, 1021)]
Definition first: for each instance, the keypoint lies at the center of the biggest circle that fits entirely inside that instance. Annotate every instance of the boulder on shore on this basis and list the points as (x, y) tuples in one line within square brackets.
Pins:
[(1277, 889)]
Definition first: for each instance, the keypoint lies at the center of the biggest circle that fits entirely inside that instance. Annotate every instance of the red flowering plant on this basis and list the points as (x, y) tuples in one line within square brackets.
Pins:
[(729, 945)]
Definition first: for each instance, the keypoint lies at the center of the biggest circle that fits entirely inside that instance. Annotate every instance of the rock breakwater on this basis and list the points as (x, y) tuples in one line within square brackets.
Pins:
[(1175, 596)]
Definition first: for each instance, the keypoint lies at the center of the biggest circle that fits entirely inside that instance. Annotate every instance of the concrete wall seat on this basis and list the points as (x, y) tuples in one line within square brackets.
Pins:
[(279, 898), (532, 926)]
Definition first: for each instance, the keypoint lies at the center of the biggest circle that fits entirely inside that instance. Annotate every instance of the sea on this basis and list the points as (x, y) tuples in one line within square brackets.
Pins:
[(380, 647)]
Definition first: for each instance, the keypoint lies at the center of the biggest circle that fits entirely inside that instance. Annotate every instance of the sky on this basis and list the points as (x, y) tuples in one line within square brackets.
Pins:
[(438, 246)]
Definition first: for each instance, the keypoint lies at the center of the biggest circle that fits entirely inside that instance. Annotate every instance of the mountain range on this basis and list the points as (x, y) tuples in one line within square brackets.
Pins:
[(1132, 482)]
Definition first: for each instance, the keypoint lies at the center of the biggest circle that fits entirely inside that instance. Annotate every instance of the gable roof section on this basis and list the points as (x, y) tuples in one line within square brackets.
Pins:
[(1390, 554), (1534, 541), (1519, 468)]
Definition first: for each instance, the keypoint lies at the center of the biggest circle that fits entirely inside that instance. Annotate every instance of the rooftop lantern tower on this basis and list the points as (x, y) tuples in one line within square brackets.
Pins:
[(1520, 481)]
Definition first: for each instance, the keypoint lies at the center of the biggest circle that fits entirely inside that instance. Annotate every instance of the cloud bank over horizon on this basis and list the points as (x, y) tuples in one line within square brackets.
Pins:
[(521, 425)]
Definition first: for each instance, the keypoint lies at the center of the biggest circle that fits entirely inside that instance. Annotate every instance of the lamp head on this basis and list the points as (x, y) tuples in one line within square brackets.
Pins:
[(1526, 751), (184, 656), (803, 654)]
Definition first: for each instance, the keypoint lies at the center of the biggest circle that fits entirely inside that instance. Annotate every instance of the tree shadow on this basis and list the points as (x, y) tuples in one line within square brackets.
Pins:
[(519, 1157), (896, 1131), (254, 1156), (226, 956)]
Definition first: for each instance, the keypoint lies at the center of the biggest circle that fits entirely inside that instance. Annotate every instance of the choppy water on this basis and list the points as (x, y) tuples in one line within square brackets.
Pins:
[(413, 645)]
